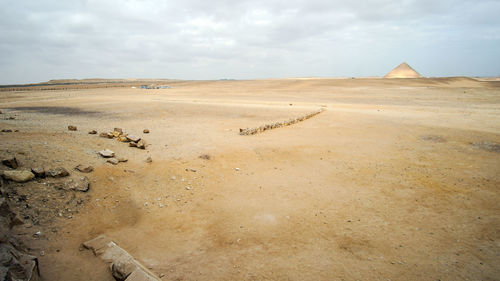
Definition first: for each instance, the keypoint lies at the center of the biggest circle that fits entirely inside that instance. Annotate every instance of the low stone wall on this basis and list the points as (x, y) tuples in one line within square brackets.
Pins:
[(253, 131)]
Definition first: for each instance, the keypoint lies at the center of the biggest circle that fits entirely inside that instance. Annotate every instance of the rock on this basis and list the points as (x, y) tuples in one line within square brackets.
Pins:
[(149, 160), (113, 161), (6, 131), (205, 156), (103, 135), (84, 168), (12, 118), (93, 132), (123, 139), (11, 162), (123, 265), (110, 135), (116, 134), (79, 184), (57, 172), (106, 153), (18, 175), (122, 268), (72, 128), (236, 169), (133, 138), (118, 130), (132, 144), (146, 131), (39, 172), (141, 144), (122, 159)]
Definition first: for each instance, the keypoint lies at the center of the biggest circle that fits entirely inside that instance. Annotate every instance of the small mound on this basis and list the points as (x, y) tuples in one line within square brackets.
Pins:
[(403, 71)]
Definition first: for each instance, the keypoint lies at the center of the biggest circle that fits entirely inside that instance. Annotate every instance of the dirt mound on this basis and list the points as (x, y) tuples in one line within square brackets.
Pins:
[(403, 71)]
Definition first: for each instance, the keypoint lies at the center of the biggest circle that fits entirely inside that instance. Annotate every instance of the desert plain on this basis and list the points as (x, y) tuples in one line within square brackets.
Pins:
[(395, 179)]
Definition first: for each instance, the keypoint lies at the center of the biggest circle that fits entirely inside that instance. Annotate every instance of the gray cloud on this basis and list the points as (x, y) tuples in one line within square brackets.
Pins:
[(194, 39)]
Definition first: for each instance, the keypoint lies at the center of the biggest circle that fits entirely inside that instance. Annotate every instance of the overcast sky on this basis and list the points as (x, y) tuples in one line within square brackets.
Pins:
[(201, 39)]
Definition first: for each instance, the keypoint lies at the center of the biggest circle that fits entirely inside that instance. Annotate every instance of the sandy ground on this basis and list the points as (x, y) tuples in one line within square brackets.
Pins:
[(395, 180)]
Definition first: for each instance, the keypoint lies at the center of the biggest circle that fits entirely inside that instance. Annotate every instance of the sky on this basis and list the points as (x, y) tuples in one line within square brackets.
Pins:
[(229, 39)]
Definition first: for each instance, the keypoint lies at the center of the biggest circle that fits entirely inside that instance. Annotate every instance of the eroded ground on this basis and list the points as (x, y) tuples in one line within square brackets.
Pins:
[(396, 179)]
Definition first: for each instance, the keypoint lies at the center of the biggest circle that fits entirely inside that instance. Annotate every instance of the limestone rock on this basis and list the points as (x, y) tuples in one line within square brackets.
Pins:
[(93, 132), (116, 134), (18, 175), (39, 172), (110, 135), (122, 268), (79, 184), (84, 168), (11, 162), (106, 153), (122, 159), (146, 131), (133, 138), (72, 128), (57, 172), (123, 139), (141, 144), (113, 161), (123, 265)]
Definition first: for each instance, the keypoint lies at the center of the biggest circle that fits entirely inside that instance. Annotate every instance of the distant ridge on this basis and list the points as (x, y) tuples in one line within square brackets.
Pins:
[(403, 71)]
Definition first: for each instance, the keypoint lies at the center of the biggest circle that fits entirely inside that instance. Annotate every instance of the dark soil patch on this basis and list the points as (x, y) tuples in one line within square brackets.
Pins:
[(488, 146), (433, 138), (59, 110)]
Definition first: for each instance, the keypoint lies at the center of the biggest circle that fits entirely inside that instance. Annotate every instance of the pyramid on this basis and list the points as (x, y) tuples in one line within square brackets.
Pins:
[(403, 71)]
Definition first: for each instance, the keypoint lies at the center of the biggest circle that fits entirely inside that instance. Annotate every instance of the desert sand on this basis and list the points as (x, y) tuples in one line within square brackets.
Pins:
[(396, 179)]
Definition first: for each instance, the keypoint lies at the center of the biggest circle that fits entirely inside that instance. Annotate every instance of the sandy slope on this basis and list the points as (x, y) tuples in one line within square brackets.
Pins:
[(384, 184)]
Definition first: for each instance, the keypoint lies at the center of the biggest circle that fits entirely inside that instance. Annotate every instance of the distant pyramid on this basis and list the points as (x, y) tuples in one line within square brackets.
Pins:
[(403, 71)]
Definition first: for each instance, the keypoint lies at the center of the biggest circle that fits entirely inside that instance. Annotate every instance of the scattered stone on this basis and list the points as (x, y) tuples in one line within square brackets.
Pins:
[(188, 188), (93, 132), (103, 135), (18, 175), (6, 131), (116, 134), (132, 144), (118, 130), (39, 172), (11, 162), (122, 159), (191, 170), (113, 161), (72, 128), (106, 153), (12, 117), (205, 156), (146, 131), (110, 135), (237, 169), (149, 160), (57, 172), (133, 138), (123, 139), (80, 184), (84, 168), (141, 144)]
